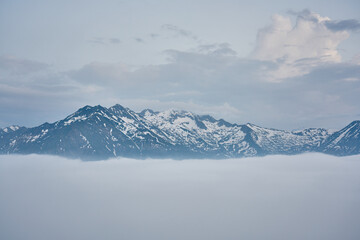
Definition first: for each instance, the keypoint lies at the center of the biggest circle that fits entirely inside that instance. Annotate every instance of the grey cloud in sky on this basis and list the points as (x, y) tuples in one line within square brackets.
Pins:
[(179, 31), (334, 25), (343, 25), (306, 15), (20, 66), (172, 31), (115, 40), (154, 35), (202, 82), (139, 40), (217, 49)]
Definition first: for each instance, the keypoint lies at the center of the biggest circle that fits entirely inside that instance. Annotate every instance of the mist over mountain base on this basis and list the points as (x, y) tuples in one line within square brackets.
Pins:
[(310, 196)]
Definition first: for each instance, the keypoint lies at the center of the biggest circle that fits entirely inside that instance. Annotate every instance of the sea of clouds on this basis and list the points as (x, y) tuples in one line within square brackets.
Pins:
[(311, 196)]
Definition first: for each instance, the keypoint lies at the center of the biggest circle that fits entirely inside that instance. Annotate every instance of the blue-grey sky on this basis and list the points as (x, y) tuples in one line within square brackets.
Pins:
[(281, 64)]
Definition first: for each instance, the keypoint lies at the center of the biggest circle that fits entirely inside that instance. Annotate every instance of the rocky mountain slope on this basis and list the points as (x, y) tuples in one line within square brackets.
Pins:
[(344, 142), (97, 132)]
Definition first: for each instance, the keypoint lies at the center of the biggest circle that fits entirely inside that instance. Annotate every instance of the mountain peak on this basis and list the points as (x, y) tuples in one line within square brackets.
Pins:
[(355, 123), (96, 132), (147, 111), (88, 109), (118, 107), (11, 128), (345, 141)]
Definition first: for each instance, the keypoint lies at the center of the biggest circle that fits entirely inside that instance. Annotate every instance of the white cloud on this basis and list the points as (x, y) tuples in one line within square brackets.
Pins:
[(310, 196), (298, 48)]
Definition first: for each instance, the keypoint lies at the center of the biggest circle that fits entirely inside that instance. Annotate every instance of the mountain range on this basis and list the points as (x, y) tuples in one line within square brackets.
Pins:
[(95, 133)]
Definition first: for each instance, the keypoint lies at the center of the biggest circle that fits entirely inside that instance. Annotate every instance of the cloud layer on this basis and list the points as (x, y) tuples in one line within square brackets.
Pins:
[(309, 196), (312, 41)]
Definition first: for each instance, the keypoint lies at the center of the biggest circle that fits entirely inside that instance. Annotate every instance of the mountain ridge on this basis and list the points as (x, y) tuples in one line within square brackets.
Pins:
[(95, 133)]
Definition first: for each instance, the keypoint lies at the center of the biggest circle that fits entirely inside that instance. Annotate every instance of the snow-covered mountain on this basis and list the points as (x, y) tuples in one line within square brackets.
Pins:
[(273, 141), (344, 142), (100, 133)]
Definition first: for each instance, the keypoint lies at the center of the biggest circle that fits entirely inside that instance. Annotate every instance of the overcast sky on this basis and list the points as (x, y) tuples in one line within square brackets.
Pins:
[(281, 64)]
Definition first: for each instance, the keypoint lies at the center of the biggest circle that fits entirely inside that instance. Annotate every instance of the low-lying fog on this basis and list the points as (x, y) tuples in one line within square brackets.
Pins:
[(310, 196)]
